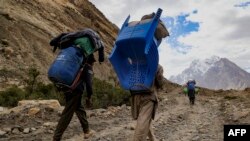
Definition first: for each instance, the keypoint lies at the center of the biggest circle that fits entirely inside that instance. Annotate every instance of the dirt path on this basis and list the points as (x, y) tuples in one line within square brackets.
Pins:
[(176, 121)]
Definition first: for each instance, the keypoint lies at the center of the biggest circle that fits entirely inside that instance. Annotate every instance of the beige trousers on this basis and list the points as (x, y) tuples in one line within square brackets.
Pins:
[(143, 109)]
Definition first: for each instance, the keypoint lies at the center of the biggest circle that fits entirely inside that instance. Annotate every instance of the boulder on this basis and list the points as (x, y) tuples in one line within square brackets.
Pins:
[(54, 104), (32, 107), (33, 111)]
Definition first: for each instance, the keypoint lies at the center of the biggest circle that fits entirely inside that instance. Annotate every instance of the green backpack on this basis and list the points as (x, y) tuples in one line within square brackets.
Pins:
[(185, 90), (85, 44)]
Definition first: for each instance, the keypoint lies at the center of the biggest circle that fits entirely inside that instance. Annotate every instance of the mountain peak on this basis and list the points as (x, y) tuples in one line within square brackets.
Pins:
[(202, 66), (215, 73)]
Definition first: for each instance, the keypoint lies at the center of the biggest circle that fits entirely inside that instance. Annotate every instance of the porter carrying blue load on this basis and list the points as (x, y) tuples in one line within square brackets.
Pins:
[(75, 47), (135, 55)]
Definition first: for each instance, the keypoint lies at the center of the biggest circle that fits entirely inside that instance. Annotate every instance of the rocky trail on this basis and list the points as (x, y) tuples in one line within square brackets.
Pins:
[(176, 120)]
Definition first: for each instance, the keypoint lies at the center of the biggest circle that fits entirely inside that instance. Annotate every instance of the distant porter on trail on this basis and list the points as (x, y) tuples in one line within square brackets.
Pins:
[(190, 89)]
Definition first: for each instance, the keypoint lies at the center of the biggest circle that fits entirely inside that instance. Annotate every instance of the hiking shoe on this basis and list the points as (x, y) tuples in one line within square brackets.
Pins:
[(89, 134)]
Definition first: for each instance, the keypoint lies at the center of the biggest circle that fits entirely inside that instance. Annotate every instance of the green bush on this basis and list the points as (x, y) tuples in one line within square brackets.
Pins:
[(230, 97), (43, 91), (104, 95), (11, 96), (31, 81)]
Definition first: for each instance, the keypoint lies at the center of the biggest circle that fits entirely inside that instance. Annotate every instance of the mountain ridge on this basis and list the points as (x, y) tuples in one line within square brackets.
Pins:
[(215, 73)]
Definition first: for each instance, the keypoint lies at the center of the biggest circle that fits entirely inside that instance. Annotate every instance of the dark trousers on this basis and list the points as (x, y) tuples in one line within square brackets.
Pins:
[(88, 79), (191, 95), (73, 105)]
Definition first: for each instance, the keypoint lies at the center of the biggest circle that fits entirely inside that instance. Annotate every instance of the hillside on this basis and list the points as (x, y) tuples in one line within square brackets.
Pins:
[(27, 27)]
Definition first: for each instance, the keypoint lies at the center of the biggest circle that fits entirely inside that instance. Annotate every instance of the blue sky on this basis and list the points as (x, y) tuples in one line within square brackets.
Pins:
[(180, 26), (198, 29), (243, 4)]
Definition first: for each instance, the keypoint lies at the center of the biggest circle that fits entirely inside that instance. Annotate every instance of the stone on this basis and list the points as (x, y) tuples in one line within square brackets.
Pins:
[(2, 133), (50, 131), (26, 130), (123, 106), (19, 57), (8, 51), (50, 124), (92, 114), (33, 129), (100, 110), (1, 109), (132, 127), (33, 111), (5, 42), (54, 104), (53, 15), (7, 129), (240, 114), (15, 131), (196, 138), (112, 109)]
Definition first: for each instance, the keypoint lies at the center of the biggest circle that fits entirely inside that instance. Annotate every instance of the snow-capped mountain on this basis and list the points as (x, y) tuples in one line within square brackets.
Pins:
[(215, 73)]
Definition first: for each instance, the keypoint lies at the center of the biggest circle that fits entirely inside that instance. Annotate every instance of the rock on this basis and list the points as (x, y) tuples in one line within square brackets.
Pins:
[(92, 114), (8, 51), (2, 133), (165, 100), (33, 111), (112, 109), (123, 106), (50, 131), (5, 42), (53, 15), (1, 109), (240, 114), (46, 104), (100, 111), (132, 127), (26, 130), (15, 131), (196, 138), (7, 129), (19, 57), (17, 127), (33, 129), (54, 104), (50, 124), (116, 122)]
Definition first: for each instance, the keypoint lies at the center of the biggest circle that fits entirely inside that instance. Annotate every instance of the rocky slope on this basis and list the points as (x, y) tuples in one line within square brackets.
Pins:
[(27, 26)]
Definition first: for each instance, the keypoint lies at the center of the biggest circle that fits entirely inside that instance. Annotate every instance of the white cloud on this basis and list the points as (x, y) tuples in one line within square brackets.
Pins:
[(224, 29)]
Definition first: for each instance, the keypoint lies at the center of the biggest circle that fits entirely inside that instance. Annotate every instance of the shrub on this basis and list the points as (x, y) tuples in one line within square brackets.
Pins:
[(11, 96), (230, 97), (104, 95), (48, 91), (31, 81)]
